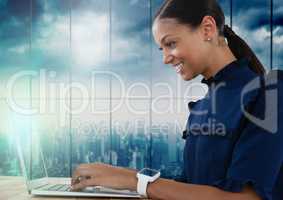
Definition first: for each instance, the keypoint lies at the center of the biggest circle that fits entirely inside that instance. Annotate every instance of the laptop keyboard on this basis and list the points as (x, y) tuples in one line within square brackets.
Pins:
[(56, 187)]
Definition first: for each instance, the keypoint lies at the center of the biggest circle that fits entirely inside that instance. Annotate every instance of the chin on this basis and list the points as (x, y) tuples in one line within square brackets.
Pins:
[(187, 77)]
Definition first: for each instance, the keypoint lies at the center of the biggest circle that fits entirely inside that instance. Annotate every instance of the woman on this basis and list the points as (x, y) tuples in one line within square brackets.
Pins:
[(239, 159)]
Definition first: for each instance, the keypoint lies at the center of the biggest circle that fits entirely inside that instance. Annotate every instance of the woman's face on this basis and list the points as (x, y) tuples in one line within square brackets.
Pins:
[(185, 49)]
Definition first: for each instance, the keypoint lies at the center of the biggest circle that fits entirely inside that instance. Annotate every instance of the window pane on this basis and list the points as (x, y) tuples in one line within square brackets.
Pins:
[(50, 34), (277, 35), (51, 139), (91, 84), (14, 135), (15, 82), (251, 22), (14, 47), (226, 7), (131, 83), (50, 46), (130, 133), (131, 34), (90, 34), (164, 77), (168, 121), (90, 131)]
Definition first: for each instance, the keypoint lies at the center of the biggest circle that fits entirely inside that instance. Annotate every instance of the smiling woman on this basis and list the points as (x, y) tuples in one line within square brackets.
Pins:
[(245, 160), (107, 97)]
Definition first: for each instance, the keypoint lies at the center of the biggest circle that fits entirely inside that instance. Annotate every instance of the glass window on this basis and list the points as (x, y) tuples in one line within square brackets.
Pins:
[(90, 34), (91, 84), (130, 34), (50, 46), (130, 133), (15, 129), (168, 121), (226, 7), (164, 77), (50, 34), (133, 83), (14, 47), (87, 79), (251, 22), (90, 127), (51, 138), (277, 35)]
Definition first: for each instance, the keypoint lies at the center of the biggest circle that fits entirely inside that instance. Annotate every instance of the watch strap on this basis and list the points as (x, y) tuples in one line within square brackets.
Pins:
[(142, 186)]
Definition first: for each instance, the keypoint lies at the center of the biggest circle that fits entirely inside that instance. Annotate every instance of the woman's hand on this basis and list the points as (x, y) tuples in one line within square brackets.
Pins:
[(103, 175)]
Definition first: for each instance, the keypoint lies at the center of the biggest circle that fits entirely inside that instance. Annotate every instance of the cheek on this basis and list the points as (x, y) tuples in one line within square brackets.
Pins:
[(192, 55), (193, 61), (197, 58)]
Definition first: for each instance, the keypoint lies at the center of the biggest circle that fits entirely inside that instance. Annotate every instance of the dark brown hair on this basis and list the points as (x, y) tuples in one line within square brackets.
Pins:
[(191, 12)]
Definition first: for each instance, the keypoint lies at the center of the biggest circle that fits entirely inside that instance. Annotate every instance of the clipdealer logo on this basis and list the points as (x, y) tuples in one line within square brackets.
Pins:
[(269, 92), (50, 93)]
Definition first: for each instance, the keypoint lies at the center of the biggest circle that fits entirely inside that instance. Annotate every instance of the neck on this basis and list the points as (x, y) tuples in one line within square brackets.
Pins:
[(218, 60)]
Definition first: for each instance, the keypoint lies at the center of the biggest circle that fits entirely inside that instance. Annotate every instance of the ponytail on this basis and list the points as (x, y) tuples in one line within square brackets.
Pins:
[(241, 49)]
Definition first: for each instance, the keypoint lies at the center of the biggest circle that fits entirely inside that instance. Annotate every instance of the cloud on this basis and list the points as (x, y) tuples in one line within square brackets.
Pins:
[(131, 32), (278, 47), (252, 22), (258, 40), (98, 7), (243, 6), (90, 38), (278, 35), (278, 31), (14, 24)]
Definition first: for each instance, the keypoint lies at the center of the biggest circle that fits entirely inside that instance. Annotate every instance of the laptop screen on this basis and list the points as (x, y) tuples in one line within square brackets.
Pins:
[(30, 155)]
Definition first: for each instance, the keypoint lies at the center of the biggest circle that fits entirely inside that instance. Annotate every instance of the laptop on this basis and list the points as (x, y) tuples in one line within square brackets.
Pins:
[(48, 186)]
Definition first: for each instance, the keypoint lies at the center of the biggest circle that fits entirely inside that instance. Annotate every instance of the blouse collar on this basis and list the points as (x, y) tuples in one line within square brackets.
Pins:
[(230, 71)]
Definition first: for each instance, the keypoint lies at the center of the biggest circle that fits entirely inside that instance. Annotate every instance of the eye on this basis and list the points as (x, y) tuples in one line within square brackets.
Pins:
[(171, 44)]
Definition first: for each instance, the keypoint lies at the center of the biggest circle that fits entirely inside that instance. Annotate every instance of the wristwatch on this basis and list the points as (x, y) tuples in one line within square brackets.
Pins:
[(146, 176)]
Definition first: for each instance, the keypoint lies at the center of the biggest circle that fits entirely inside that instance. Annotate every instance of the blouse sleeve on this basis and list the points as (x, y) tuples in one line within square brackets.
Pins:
[(258, 154)]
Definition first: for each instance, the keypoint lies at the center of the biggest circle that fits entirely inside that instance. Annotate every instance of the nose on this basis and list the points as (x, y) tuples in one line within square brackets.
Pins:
[(167, 58)]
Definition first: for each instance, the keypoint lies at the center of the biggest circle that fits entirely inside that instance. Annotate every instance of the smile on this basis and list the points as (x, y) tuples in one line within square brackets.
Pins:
[(178, 67)]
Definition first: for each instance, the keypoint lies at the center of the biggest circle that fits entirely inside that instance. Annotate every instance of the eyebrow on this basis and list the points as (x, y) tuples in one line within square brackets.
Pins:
[(162, 40)]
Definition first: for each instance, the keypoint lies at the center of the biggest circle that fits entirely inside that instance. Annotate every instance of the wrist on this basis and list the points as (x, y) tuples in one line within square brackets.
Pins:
[(132, 180), (153, 189)]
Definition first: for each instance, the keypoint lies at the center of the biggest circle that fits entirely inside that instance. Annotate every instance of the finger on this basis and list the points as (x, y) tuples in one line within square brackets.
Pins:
[(83, 184), (78, 179), (81, 172)]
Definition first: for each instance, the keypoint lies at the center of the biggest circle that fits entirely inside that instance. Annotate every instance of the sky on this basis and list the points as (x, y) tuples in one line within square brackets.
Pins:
[(71, 36), (47, 25)]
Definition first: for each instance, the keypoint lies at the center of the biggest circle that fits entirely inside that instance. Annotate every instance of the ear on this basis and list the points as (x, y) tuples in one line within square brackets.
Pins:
[(208, 28)]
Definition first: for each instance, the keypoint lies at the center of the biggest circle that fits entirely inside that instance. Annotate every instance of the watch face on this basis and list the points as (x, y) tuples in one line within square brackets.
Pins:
[(149, 172)]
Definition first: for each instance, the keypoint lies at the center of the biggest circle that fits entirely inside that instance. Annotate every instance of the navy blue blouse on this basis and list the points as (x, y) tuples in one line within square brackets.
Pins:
[(234, 135)]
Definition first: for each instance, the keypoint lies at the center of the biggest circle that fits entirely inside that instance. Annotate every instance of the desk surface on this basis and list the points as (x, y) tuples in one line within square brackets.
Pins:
[(14, 188)]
